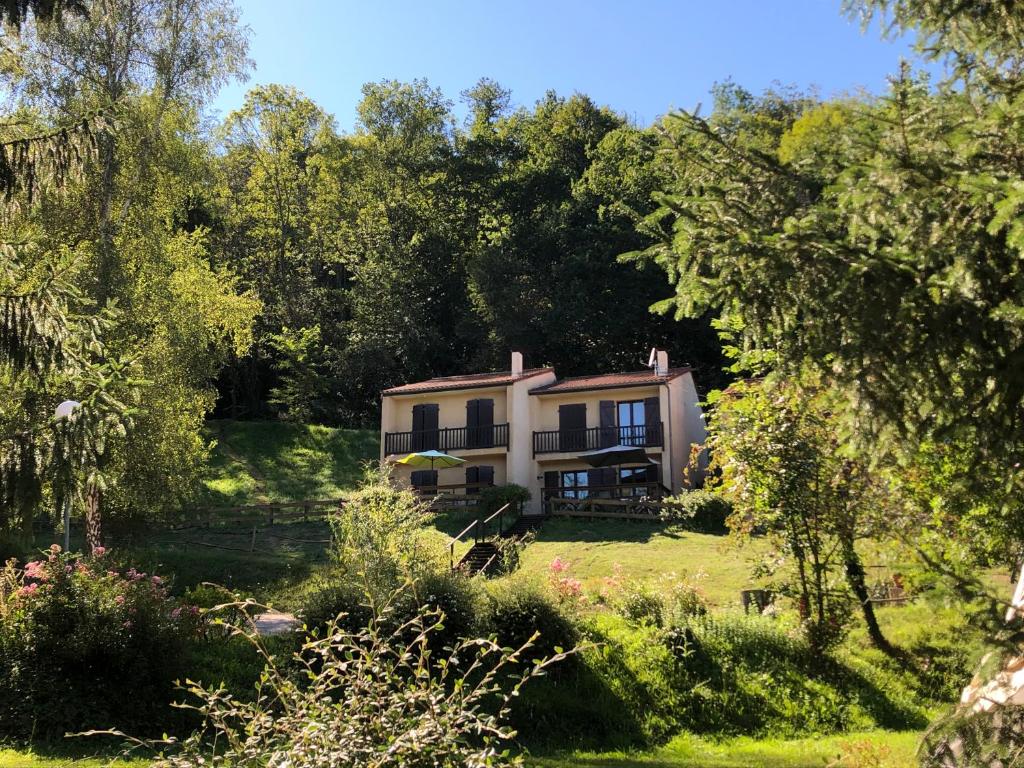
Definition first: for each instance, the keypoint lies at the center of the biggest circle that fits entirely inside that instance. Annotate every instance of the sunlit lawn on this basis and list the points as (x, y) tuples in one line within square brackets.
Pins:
[(10, 758), (258, 461), (878, 749), (643, 550)]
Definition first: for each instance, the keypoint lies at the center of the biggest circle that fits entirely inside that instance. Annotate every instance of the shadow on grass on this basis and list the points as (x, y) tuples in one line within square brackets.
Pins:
[(607, 531)]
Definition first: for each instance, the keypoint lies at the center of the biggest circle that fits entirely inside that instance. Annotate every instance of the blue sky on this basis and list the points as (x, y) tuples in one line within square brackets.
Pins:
[(641, 57)]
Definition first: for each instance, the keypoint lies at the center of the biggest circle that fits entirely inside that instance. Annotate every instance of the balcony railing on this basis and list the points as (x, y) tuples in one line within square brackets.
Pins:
[(592, 438), (447, 439)]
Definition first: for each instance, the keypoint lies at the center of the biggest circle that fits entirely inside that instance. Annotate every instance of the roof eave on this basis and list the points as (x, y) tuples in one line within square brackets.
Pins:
[(455, 387), (551, 390)]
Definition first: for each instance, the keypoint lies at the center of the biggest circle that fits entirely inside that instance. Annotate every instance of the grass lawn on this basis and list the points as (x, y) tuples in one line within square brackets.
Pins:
[(258, 461), (879, 749), (10, 758), (644, 551)]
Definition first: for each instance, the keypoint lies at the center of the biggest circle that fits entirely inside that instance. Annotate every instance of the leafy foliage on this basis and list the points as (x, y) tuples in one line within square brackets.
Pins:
[(65, 624), (366, 698)]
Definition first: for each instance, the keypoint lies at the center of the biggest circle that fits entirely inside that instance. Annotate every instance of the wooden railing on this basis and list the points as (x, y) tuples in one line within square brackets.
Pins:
[(271, 512), (593, 438), (447, 439), (479, 528), (645, 508), (452, 495)]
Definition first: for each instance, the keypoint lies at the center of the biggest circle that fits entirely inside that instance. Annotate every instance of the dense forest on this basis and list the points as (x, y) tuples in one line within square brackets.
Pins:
[(413, 246)]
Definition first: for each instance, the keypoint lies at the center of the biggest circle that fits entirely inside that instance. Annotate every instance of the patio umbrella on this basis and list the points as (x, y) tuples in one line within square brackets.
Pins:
[(432, 459), (616, 456)]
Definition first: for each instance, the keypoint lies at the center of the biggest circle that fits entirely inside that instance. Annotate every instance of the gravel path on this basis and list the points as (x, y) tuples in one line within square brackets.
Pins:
[(276, 623)]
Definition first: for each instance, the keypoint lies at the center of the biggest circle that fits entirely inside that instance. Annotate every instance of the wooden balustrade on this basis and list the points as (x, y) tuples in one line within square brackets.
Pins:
[(594, 438), (446, 439)]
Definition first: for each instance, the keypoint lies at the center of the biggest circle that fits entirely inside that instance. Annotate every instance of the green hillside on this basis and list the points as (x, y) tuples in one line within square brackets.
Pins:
[(259, 461)]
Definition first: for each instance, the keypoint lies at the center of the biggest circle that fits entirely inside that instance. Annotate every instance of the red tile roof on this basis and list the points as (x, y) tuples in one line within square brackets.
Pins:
[(608, 381), (469, 381)]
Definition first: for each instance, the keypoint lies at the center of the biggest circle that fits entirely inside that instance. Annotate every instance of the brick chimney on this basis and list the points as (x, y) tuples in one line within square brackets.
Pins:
[(517, 363), (661, 363)]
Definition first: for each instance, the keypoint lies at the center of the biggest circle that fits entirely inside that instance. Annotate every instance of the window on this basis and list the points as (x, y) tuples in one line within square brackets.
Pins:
[(632, 426), (573, 481), (637, 481)]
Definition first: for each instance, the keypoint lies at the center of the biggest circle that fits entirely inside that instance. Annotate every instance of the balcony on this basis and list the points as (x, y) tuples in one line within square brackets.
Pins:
[(447, 439), (593, 438)]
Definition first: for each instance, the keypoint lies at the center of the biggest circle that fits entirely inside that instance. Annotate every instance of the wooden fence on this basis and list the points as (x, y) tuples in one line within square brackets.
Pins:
[(640, 508)]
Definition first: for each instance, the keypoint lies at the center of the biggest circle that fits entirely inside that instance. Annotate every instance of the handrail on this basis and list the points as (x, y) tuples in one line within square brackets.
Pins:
[(494, 515), (454, 541), (481, 534), (487, 565)]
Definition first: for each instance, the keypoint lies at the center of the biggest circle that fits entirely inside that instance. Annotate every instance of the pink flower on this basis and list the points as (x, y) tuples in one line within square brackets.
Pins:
[(55, 549), (176, 613), (119, 599), (28, 589), (135, 575), (99, 551), (127, 625), (80, 567), (157, 580), (558, 565), (35, 570)]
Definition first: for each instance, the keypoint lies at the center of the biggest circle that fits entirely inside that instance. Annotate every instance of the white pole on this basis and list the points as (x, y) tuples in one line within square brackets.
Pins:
[(65, 411), (1017, 604), (67, 522)]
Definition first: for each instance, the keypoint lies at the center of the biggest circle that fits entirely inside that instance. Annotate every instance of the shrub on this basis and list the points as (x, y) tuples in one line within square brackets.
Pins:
[(382, 536), (339, 600), (496, 496), (84, 647), (456, 599), (638, 603), (703, 511), (684, 599), (367, 698), (517, 608)]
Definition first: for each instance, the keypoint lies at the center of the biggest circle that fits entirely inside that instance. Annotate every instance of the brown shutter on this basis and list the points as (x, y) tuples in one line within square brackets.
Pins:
[(416, 443), (572, 425), (485, 423), (486, 475), (609, 433), (430, 433), (652, 421), (472, 424), (472, 478), (424, 477)]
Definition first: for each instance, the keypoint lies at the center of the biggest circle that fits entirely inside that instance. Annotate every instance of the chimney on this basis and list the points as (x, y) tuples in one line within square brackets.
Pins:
[(517, 363), (661, 363)]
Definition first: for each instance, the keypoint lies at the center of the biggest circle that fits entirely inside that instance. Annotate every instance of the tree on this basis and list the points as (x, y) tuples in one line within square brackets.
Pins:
[(47, 341), (777, 450), (281, 229), (152, 64)]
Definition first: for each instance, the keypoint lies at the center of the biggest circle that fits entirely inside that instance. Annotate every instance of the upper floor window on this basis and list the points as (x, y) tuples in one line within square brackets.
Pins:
[(632, 422)]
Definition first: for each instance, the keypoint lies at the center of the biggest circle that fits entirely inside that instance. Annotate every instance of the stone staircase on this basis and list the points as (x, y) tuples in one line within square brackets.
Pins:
[(479, 558)]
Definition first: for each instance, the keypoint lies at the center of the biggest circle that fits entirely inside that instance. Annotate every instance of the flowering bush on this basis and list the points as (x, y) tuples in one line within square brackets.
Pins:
[(567, 589), (83, 645)]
